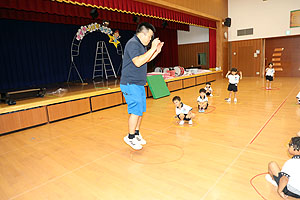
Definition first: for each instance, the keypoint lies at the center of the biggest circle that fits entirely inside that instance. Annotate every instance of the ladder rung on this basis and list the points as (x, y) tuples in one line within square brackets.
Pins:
[(98, 70)]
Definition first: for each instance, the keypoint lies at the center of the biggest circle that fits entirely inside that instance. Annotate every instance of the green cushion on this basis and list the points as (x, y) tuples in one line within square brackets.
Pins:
[(158, 86)]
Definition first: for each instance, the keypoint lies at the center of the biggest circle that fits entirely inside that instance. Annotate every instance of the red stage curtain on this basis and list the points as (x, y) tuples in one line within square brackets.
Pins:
[(212, 48), (169, 54), (117, 10)]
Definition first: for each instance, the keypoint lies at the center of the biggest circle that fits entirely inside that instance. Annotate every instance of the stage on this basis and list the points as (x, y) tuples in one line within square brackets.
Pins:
[(79, 100)]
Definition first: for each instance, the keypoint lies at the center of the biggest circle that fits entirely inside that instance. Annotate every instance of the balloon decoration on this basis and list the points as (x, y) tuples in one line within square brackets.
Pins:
[(113, 38)]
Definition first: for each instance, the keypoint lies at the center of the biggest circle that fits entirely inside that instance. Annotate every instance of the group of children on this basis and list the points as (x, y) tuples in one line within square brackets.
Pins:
[(286, 179), (184, 112)]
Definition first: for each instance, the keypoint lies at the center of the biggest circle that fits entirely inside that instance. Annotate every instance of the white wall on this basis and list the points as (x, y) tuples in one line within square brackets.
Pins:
[(195, 35), (269, 18)]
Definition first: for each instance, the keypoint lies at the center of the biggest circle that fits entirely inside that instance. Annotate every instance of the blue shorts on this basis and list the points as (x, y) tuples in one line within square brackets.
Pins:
[(135, 97)]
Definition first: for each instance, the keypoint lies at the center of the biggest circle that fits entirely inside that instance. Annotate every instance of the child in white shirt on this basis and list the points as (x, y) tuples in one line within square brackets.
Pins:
[(287, 179), (208, 89), (183, 112), (298, 98), (202, 101), (234, 79), (270, 71)]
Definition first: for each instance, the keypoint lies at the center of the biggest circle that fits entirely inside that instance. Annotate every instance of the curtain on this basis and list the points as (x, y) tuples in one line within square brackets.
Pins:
[(117, 10), (35, 54), (212, 48), (169, 54)]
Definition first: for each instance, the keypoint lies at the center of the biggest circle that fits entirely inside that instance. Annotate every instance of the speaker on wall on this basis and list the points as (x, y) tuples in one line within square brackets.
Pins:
[(227, 22), (94, 13), (136, 19)]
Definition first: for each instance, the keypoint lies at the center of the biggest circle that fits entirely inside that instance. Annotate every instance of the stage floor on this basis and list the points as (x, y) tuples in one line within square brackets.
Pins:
[(72, 91), (85, 157)]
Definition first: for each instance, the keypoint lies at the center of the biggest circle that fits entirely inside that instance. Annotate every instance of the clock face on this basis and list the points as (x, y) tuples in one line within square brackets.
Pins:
[(225, 35)]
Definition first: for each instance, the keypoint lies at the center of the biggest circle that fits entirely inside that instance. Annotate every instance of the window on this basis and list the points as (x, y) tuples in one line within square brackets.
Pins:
[(201, 58)]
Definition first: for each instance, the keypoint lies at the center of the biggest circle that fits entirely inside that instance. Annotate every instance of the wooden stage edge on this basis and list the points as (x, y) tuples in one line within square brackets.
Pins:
[(18, 117)]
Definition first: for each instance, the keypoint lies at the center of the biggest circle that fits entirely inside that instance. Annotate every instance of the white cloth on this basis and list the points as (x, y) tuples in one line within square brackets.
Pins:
[(205, 99), (298, 96), (234, 79), (292, 168), (270, 72), (185, 109), (208, 88)]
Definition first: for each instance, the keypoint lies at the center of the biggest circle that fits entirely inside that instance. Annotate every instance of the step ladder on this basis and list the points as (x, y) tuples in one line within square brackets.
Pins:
[(103, 64)]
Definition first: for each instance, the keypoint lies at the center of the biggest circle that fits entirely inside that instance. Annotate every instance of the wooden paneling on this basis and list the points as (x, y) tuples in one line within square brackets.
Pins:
[(289, 60), (22, 119), (211, 77), (68, 109), (107, 100), (188, 54), (200, 80), (242, 56), (174, 85), (216, 10), (219, 76), (189, 82)]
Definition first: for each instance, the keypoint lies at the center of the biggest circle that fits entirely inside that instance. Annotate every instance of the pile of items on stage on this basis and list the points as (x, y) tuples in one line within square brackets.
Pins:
[(172, 72)]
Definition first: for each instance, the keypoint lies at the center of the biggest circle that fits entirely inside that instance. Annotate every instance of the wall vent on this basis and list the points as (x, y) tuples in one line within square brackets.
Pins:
[(248, 31)]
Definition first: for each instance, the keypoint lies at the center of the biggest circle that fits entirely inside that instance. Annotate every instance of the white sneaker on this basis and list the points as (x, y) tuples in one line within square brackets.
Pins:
[(140, 139), (133, 143), (190, 122), (181, 122), (269, 179), (235, 100), (211, 95), (228, 100)]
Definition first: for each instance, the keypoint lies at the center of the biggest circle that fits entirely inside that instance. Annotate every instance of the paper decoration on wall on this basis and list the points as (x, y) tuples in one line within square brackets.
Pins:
[(91, 28), (114, 38)]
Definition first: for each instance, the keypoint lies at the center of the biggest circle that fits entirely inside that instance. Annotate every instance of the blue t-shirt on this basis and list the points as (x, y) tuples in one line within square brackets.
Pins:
[(132, 74)]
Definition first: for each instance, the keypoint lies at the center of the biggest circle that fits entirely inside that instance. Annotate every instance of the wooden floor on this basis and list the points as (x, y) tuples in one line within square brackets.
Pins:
[(85, 157)]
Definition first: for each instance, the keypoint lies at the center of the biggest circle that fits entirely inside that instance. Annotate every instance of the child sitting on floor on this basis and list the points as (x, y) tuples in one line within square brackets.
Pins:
[(287, 179), (202, 100), (208, 89), (183, 112)]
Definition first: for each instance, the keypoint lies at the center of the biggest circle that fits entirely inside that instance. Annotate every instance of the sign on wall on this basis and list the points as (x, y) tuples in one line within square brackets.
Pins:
[(295, 19)]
